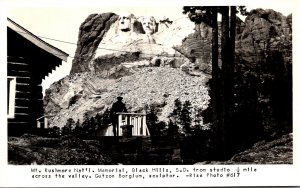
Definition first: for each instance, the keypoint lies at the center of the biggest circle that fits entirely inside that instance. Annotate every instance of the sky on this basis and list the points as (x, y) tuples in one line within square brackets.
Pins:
[(61, 21)]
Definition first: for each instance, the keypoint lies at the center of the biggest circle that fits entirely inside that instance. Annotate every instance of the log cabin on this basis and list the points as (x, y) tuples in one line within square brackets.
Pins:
[(29, 61)]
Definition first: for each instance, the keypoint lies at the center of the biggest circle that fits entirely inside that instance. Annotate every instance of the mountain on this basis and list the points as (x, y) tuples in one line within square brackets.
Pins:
[(154, 61)]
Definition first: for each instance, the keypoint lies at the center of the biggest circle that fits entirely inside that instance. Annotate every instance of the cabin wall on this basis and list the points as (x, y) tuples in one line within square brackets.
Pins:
[(23, 119), (29, 64)]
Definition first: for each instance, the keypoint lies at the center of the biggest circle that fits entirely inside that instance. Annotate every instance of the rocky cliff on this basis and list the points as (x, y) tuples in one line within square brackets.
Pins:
[(104, 34), (91, 33), (265, 31), (150, 61)]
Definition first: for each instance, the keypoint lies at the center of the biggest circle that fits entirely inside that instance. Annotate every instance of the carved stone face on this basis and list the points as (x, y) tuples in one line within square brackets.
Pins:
[(149, 25), (124, 22)]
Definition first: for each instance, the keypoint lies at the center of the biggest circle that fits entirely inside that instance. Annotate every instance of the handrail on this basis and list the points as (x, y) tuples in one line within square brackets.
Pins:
[(40, 118), (44, 116), (45, 121), (130, 113)]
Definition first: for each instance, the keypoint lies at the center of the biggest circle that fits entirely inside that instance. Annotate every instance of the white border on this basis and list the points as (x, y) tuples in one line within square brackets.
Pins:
[(268, 175)]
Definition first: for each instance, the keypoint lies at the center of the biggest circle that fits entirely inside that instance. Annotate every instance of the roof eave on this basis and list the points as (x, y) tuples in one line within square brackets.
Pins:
[(37, 41)]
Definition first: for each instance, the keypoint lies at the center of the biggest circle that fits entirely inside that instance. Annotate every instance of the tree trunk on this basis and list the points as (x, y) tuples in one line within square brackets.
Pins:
[(225, 53), (215, 67), (229, 85)]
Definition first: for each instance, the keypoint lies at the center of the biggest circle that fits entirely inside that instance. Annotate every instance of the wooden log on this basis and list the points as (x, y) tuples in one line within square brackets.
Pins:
[(23, 87), (17, 66), (15, 59), (17, 63), (21, 117), (21, 73), (22, 109), (23, 80), (14, 122), (22, 102), (23, 94)]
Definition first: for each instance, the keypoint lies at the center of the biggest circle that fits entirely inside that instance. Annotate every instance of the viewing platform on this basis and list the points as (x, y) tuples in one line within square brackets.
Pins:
[(135, 120)]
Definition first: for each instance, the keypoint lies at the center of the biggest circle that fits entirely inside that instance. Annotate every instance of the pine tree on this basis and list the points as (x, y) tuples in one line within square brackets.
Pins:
[(54, 131), (197, 121), (177, 112), (152, 119), (160, 128), (185, 117), (85, 124), (98, 121), (77, 131), (70, 124), (198, 116), (172, 130), (92, 127), (64, 131), (152, 115), (106, 117), (77, 124), (67, 129)]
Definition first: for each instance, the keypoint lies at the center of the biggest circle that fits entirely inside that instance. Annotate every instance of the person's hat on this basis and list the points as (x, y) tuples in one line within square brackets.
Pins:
[(120, 97)]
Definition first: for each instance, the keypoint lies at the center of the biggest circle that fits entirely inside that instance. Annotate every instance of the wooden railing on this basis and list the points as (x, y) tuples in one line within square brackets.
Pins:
[(42, 122), (138, 120)]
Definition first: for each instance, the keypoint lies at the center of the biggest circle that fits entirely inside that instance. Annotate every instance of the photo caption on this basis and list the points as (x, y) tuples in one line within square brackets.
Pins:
[(141, 172)]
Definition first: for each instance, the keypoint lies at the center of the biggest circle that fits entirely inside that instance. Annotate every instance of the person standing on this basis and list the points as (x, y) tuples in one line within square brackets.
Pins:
[(118, 106)]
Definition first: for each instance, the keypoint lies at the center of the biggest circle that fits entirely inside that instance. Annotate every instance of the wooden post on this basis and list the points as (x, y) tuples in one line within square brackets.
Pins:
[(139, 123), (46, 123), (144, 126), (134, 125), (38, 124), (128, 119), (119, 124), (127, 129), (132, 122)]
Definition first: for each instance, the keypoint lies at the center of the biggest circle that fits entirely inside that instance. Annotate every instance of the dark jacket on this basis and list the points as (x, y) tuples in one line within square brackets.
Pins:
[(118, 106)]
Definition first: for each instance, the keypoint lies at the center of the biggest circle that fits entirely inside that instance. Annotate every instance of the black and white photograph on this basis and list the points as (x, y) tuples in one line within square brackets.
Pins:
[(177, 90)]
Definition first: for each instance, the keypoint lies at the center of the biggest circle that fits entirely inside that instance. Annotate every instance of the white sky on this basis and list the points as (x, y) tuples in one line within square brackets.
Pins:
[(61, 20)]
